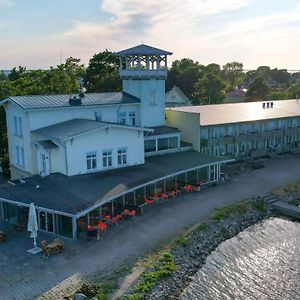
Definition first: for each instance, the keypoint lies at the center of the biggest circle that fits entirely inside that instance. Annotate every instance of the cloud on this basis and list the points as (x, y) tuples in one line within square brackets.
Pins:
[(5, 3), (134, 19)]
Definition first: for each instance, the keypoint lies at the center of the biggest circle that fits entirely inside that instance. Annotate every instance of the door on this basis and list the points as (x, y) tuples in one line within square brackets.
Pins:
[(44, 163)]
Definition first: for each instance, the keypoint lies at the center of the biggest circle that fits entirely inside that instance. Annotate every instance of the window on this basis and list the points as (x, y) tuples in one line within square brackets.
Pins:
[(132, 118), (152, 98), (18, 126), (91, 161), (107, 158), (98, 116), (20, 157), (150, 145), (122, 116), (122, 156)]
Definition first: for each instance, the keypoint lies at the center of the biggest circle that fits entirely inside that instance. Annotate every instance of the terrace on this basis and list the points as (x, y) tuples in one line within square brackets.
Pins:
[(68, 205)]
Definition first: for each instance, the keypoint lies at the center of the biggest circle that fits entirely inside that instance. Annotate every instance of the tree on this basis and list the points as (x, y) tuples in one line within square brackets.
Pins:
[(232, 72), (102, 73), (209, 90), (294, 91), (258, 88), (184, 73)]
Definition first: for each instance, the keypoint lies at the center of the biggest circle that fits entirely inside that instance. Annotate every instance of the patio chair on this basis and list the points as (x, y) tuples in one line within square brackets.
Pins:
[(46, 251), (3, 236), (149, 202), (132, 214), (164, 196), (60, 246), (114, 220)]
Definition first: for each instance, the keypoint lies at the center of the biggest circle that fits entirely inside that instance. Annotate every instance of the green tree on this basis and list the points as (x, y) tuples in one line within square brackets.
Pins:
[(210, 89), (184, 73), (258, 88), (102, 73), (233, 72), (294, 91)]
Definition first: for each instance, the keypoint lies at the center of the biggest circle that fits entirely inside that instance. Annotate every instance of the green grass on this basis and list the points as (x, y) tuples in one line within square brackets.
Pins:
[(240, 207), (202, 227), (164, 268)]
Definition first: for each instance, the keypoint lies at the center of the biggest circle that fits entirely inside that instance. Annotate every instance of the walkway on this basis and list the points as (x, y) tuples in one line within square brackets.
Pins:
[(24, 276)]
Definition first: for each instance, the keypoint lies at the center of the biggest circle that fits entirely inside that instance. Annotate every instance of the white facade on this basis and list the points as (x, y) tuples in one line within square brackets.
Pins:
[(175, 97), (143, 70), (152, 93)]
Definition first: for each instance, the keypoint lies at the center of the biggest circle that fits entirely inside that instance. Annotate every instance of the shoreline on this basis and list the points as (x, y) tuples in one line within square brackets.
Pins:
[(190, 250)]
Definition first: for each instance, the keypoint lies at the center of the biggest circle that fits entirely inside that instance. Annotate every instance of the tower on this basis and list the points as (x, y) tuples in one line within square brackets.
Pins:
[(143, 70)]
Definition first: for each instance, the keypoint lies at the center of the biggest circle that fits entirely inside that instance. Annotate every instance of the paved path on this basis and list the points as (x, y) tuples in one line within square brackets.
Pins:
[(24, 276)]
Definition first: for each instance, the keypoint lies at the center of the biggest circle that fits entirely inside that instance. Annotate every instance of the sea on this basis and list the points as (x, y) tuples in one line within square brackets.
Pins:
[(260, 263)]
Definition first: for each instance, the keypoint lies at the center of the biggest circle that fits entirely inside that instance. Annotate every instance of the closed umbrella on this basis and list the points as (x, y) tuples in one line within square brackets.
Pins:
[(32, 226)]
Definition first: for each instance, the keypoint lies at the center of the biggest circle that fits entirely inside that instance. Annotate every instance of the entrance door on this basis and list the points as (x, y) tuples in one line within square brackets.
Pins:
[(44, 164)]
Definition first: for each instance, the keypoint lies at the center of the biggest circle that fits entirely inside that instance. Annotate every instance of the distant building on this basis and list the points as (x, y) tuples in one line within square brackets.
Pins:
[(236, 96), (176, 97), (240, 130)]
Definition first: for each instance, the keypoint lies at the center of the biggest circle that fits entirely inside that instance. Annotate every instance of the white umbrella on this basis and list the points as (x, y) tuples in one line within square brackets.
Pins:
[(32, 223)]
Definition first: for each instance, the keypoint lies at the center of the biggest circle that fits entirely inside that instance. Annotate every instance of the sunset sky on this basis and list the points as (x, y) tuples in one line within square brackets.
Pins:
[(33, 33)]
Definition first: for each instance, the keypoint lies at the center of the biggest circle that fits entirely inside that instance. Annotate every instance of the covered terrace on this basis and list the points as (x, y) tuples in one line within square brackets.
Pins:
[(67, 205)]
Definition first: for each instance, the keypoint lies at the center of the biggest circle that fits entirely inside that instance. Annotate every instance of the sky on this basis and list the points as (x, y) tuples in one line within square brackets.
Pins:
[(37, 33)]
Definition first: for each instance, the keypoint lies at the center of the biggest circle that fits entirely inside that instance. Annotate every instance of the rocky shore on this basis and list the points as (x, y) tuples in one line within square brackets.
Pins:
[(190, 252)]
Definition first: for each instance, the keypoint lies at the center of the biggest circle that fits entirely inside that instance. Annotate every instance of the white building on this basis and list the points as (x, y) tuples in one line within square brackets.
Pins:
[(92, 132), (176, 97)]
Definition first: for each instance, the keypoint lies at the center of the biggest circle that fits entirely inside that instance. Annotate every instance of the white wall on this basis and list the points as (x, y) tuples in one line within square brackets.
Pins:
[(24, 141), (151, 115), (188, 123), (42, 118), (113, 138)]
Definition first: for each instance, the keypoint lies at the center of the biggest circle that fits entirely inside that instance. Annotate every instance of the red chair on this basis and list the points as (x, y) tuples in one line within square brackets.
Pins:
[(155, 198), (132, 213), (102, 226), (119, 217), (164, 196), (108, 218), (126, 211), (149, 202), (173, 193), (114, 220)]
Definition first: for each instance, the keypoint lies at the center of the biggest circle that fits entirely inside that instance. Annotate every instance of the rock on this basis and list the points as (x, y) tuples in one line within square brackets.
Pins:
[(80, 297)]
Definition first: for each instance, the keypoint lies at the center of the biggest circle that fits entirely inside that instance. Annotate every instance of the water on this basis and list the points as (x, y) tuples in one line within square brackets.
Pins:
[(260, 263)]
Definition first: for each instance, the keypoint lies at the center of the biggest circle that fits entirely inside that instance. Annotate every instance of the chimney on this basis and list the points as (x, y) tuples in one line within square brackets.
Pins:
[(75, 100), (264, 105), (272, 104)]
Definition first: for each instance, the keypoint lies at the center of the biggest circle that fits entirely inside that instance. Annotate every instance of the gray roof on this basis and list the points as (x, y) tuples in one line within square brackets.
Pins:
[(52, 101), (143, 50), (76, 193), (242, 112), (163, 130), (68, 129), (47, 144)]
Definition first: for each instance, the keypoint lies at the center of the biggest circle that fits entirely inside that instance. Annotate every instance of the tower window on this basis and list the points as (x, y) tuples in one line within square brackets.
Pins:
[(152, 98), (132, 118), (122, 116)]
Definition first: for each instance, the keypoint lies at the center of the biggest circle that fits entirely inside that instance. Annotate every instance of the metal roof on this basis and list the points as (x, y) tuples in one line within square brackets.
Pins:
[(76, 193), (143, 50), (53, 101), (242, 112), (68, 129), (47, 144)]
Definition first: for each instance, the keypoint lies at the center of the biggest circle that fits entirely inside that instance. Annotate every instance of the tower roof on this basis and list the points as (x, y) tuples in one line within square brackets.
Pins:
[(143, 50)]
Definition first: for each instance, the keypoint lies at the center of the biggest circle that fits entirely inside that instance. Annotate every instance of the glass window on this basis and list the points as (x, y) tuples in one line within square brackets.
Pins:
[(98, 116), (150, 145), (132, 118), (91, 161), (162, 144), (122, 156), (107, 158), (20, 157), (122, 118), (152, 98), (18, 126), (173, 142)]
